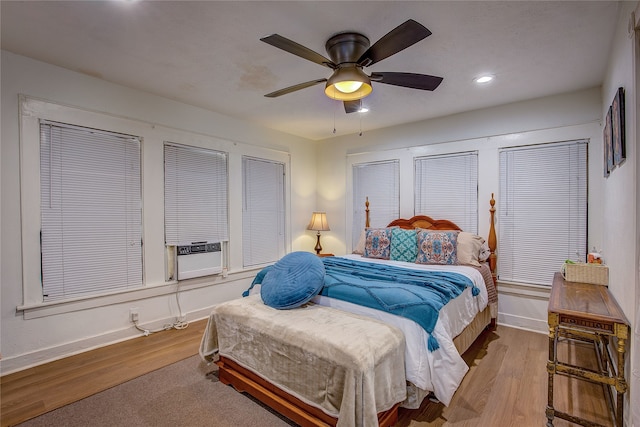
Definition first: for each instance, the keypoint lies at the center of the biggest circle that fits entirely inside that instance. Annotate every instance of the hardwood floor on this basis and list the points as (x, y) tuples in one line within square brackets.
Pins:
[(32, 392), (505, 386)]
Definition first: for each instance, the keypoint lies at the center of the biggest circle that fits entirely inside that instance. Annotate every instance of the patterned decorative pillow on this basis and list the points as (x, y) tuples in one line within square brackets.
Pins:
[(378, 243), (404, 245), (437, 247)]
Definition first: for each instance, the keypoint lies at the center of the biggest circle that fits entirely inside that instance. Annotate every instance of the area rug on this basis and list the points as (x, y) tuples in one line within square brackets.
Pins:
[(186, 393)]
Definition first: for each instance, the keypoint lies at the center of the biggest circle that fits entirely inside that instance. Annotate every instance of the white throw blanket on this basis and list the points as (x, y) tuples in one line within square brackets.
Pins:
[(349, 366)]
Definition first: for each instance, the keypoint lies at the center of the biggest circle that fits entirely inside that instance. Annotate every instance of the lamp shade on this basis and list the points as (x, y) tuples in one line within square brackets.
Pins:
[(318, 222), (348, 84)]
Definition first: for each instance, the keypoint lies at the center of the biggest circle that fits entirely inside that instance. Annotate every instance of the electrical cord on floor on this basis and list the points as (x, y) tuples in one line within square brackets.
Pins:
[(178, 324), (181, 323)]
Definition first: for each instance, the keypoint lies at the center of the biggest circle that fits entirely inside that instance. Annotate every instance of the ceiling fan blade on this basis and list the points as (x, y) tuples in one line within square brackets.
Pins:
[(352, 106), (294, 88), (298, 50), (401, 37), (410, 80)]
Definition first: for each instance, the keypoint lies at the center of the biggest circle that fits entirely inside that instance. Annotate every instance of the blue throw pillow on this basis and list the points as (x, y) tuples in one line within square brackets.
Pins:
[(404, 245), (293, 280)]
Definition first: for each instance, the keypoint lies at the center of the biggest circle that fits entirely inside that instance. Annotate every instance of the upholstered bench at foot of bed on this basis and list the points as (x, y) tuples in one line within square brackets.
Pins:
[(317, 365), (244, 380)]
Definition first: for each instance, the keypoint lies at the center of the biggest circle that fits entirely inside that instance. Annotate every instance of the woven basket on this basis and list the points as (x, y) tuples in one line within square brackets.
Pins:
[(596, 274)]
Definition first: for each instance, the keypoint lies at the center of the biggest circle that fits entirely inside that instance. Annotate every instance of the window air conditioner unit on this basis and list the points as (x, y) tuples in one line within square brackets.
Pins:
[(199, 259)]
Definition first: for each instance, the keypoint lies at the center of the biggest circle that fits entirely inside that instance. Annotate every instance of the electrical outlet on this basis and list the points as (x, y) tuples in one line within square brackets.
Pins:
[(133, 314)]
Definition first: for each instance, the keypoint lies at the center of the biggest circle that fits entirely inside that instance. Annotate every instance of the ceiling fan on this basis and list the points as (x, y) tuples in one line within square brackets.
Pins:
[(350, 53)]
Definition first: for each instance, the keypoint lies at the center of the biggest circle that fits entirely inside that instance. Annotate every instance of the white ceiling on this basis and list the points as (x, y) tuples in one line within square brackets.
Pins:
[(208, 53)]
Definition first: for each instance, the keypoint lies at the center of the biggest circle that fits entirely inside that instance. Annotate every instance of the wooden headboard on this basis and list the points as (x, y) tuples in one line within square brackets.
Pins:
[(425, 222)]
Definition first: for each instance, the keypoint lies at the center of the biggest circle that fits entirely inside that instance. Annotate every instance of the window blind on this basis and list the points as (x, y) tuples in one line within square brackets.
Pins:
[(446, 187), (380, 181), (195, 199), (263, 211), (91, 216), (542, 215)]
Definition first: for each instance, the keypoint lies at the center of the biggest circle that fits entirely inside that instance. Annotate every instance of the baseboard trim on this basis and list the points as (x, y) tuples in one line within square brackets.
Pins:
[(525, 323), (40, 357)]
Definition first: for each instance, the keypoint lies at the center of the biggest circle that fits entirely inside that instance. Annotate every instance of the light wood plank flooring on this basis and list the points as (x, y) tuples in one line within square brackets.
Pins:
[(43, 388), (506, 384)]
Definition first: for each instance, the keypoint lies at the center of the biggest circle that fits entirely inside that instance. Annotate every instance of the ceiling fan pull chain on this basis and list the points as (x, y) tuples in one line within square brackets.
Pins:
[(334, 121), (334, 114), (360, 114)]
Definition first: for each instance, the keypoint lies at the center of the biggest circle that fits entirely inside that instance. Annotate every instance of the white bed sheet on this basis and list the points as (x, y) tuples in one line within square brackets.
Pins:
[(440, 371)]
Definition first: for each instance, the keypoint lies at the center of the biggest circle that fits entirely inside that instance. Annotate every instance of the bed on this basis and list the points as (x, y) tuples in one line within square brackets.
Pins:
[(290, 374)]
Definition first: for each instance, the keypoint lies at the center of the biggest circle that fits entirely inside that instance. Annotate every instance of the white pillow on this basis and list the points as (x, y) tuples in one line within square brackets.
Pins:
[(359, 249), (485, 252), (469, 248)]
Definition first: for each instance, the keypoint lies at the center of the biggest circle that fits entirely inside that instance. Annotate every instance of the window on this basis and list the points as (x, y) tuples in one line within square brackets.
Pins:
[(263, 207), (90, 207), (195, 199), (380, 182), (542, 217), (447, 187)]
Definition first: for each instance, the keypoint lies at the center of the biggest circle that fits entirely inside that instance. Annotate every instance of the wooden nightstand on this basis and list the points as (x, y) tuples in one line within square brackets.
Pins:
[(324, 255), (590, 313)]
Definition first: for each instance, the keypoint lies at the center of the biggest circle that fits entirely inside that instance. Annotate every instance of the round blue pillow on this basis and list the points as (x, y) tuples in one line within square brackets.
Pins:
[(293, 280)]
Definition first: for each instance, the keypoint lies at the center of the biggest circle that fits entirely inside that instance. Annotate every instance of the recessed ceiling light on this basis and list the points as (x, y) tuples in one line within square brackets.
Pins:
[(484, 79)]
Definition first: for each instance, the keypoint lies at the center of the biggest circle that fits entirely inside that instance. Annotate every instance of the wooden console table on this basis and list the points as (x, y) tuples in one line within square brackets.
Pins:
[(589, 313)]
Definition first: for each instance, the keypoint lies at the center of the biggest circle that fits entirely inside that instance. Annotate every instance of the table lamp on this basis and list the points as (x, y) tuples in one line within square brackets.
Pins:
[(318, 223)]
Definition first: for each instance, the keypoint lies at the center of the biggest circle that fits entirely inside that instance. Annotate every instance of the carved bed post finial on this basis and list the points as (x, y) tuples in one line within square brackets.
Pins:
[(493, 258), (366, 204)]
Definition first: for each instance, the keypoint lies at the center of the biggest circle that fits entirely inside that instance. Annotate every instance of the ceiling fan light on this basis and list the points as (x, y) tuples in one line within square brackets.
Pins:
[(348, 84), (332, 92)]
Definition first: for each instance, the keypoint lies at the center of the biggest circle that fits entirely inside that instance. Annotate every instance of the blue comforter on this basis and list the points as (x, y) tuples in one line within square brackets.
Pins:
[(415, 294)]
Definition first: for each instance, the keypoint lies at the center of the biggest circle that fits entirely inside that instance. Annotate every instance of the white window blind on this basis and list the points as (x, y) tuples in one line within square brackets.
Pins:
[(542, 212), (90, 211), (446, 187), (263, 211), (380, 182), (195, 198)]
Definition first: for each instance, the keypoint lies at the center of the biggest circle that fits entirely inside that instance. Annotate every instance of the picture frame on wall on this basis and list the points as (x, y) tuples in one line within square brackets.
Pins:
[(608, 145), (618, 128)]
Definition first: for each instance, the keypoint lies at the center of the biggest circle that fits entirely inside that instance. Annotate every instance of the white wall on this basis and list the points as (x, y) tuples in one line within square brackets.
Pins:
[(544, 114), (556, 118), (619, 189), (51, 331), (621, 193)]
